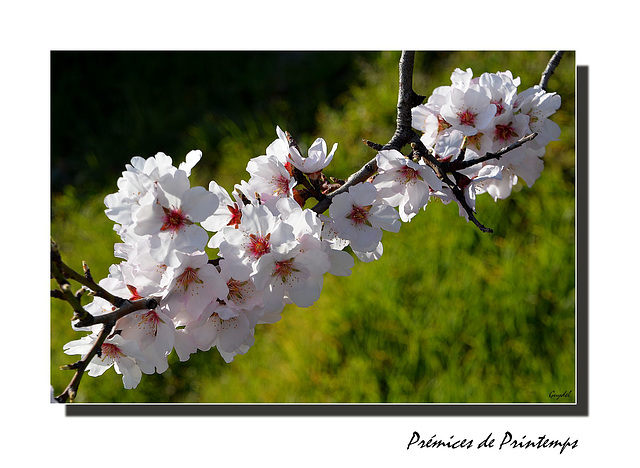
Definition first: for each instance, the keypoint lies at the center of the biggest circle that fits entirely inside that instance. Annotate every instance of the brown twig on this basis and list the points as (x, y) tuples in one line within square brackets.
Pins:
[(62, 273), (112, 317), (361, 175), (87, 281), (65, 293), (459, 164), (71, 391)]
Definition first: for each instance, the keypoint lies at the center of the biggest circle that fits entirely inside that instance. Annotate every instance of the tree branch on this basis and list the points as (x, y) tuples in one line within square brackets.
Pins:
[(403, 135), (90, 284), (551, 66), (60, 275), (82, 318), (71, 391), (458, 165), (111, 318), (407, 100)]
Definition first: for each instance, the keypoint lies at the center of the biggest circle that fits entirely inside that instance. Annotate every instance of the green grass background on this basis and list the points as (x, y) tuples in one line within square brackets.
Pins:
[(448, 314)]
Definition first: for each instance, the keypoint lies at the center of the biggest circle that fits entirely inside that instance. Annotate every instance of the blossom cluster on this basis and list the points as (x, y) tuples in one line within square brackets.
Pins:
[(484, 115), (272, 250)]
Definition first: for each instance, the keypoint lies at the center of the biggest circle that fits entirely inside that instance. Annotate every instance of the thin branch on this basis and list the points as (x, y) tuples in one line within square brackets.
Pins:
[(551, 66), (112, 317), (57, 294), (372, 145), (361, 175), (88, 282), (459, 194), (82, 318), (71, 391), (59, 273), (458, 165)]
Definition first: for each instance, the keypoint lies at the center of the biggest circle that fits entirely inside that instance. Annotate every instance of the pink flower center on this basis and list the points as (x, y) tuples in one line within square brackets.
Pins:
[(150, 320), (236, 215), (189, 276), (409, 175), (467, 118), (360, 215), (109, 350), (259, 245), (280, 185), (499, 106), (283, 269), (504, 133), (173, 219)]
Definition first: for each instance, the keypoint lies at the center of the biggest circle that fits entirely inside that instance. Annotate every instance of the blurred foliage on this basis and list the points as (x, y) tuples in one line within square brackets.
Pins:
[(448, 314)]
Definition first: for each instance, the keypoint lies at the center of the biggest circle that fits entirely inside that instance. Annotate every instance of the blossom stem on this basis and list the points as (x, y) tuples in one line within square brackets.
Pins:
[(361, 175), (301, 178)]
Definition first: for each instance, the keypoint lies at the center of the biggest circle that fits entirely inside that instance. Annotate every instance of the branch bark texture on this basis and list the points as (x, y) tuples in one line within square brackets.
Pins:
[(62, 273), (551, 66)]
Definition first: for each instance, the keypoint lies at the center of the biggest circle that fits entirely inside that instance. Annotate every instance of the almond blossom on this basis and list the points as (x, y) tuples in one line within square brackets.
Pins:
[(168, 215), (192, 286), (359, 218), (403, 183), (468, 111), (123, 355), (317, 158)]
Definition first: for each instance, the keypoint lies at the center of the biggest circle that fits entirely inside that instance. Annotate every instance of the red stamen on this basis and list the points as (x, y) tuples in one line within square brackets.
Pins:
[(236, 215), (258, 245), (283, 269), (467, 118), (173, 219), (111, 351)]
